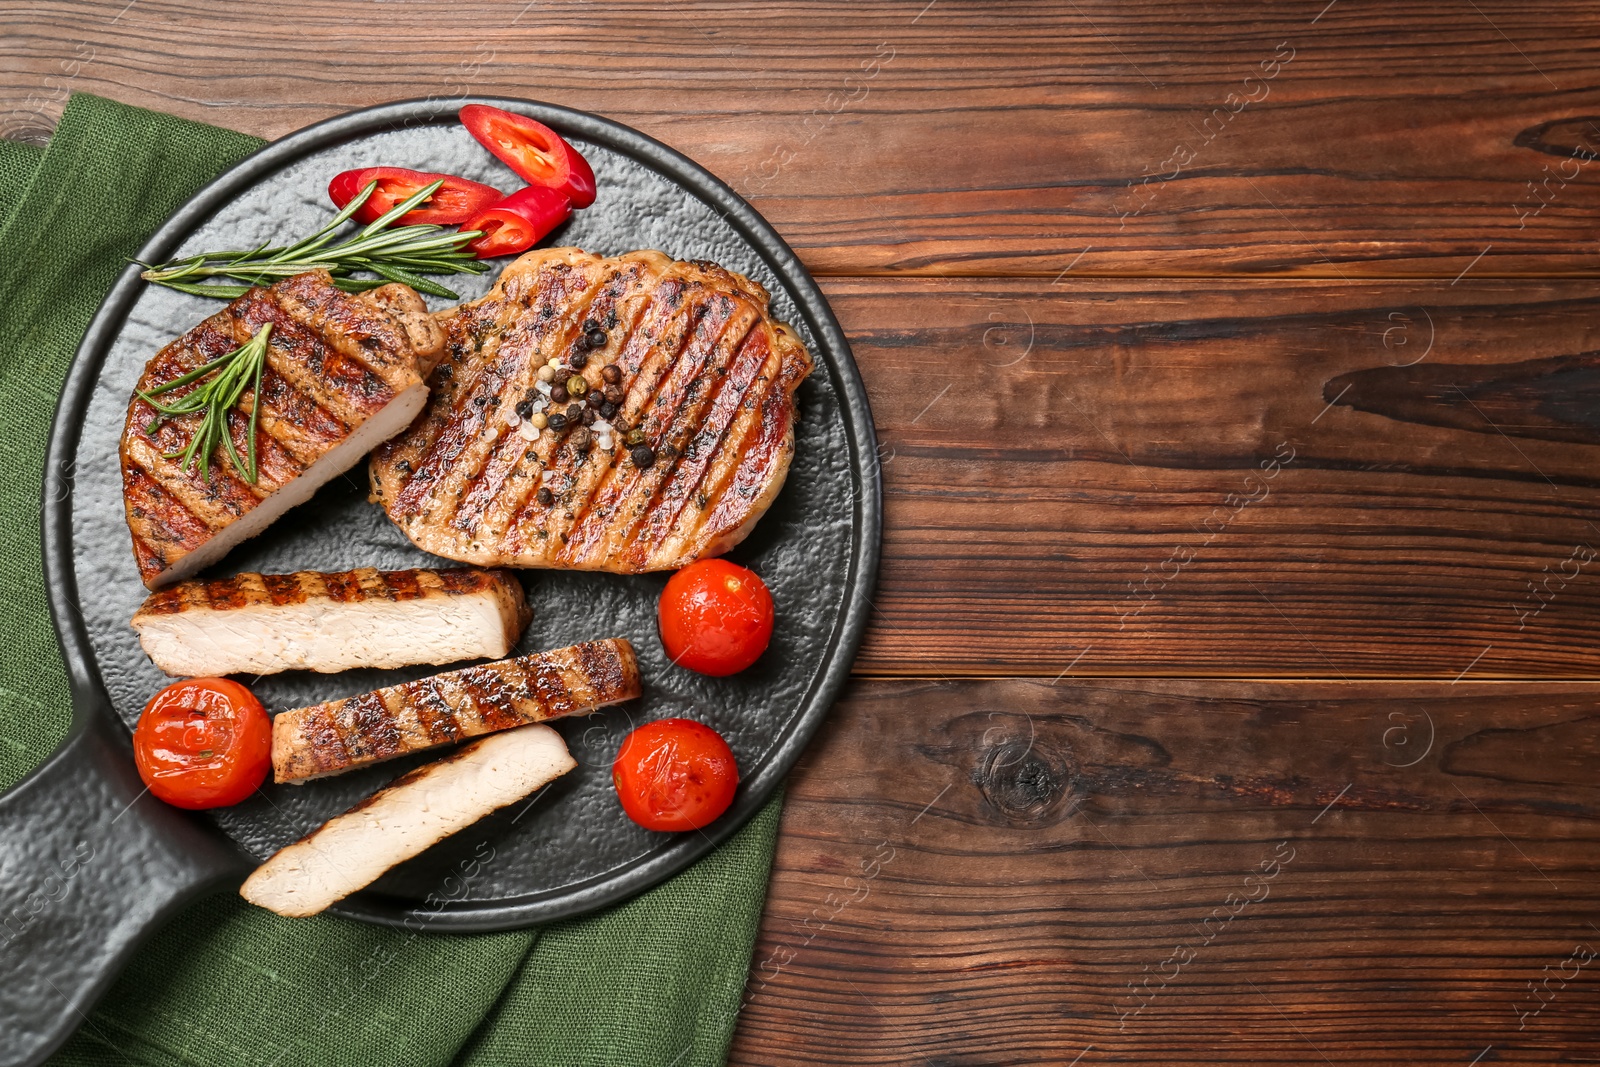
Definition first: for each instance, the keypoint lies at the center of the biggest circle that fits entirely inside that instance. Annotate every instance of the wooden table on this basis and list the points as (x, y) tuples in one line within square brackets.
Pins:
[(1232, 691)]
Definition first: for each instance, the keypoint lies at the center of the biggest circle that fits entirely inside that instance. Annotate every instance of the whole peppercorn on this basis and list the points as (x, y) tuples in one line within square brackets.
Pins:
[(539, 421), (643, 457), (634, 437), (607, 410), (546, 498), (574, 412), (612, 392), (595, 336), (619, 424), (582, 439), (589, 416), (524, 409), (558, 394), (577, 361), (611, 373), (594, 398), (546, 374), (557, 422), (576, 385)]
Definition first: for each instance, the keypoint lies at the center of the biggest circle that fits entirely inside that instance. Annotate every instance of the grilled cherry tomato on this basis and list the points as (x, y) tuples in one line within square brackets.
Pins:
[(535, 151), (455, 201), (203, 743), (674, 774), (518, 222), (715, 617)]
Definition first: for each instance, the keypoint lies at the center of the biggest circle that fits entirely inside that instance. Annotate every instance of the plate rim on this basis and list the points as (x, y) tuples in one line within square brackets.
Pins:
[(91, 702)]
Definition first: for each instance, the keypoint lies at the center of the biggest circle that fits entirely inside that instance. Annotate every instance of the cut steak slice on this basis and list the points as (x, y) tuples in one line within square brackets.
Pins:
[(310, 621), (340, 735), (703, 376), (401, 820), (343, 374)]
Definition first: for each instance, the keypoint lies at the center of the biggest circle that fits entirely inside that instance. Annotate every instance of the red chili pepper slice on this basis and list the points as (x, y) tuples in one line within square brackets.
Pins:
[(518, 222), (457, 200), (535, 151)]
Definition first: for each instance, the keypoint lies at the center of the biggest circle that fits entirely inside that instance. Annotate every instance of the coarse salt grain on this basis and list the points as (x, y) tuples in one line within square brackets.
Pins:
[(512, 418), (528, 431)]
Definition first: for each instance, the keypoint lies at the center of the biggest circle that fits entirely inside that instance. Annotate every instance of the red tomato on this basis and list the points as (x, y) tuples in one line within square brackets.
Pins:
[(674, 774), (535, 151), (518, 222), (455, 201), (715, 617), (203, 743)]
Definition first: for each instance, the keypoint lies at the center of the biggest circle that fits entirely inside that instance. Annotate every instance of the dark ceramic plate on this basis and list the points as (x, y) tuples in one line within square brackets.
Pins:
[(125, 862)]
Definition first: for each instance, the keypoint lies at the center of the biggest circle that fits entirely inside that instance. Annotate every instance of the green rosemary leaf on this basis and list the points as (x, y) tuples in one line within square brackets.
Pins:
[(229, 374), (409, 250)]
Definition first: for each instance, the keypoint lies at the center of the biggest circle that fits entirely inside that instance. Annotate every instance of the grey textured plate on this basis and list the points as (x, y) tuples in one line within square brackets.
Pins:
[(570, 849)]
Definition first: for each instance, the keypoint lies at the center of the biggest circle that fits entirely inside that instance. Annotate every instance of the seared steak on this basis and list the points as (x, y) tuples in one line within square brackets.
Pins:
[(342, 375), (342, 734), (417, 810), (702, 373), (309, 621)]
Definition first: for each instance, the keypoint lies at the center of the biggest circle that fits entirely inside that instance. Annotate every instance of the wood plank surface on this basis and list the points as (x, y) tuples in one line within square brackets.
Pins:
[(1152, 138), (1233, 478), (1184, 872)]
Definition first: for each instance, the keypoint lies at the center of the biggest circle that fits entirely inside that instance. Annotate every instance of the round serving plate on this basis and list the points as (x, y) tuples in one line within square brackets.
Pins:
[(569, 849)]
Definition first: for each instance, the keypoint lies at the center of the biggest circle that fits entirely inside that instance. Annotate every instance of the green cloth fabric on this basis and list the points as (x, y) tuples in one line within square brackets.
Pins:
[(656, 980)]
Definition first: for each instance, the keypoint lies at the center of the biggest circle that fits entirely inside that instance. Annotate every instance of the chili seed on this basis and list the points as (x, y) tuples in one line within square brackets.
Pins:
[(643, 458), (576, 385), (557, 422), (634, 437), (546, 498), (596, 337), (558, 394), (524, 409), (607, 410)]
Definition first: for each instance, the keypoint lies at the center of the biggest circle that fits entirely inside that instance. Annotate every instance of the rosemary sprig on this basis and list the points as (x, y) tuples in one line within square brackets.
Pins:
[(213, 400), (402, 254)]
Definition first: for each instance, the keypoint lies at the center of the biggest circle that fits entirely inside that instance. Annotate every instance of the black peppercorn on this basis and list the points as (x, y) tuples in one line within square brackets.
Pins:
[(577, 361), (558, 422), (611, 373), (594, 398), (612, 392), (596, 337), (607, 409), (619, 424), (558, 394), (643, 458), (546, 498), (589, 416), (574, 412), (524, 409), (582, 439)]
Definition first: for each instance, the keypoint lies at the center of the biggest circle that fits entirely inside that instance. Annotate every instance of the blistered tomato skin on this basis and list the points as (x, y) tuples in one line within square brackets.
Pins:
[(675, 774), (715, 617), (203, 743)]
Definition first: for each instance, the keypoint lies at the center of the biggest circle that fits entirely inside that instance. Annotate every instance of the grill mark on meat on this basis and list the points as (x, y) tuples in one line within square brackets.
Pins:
[(486, 689), (701, 364), (403, 585), (349, 389), (601, 665), (772, 432), (374, 724), (434, 713), (678, 390), (710, 435), (549, 686), (344, 587), (284, 589), (325, 739)]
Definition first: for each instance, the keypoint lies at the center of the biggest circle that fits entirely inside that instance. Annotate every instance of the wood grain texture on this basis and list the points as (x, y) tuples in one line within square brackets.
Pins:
[(1358, 873), (1233, 478), (1152, 138)]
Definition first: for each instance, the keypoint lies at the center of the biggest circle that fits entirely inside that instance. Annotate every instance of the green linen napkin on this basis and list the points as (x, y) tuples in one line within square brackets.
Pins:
[(654, 981)]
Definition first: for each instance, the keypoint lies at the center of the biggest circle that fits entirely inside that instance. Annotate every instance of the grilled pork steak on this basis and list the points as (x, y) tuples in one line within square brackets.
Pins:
[(342, 376), (417, 810), (308, 621), (684, 353), (342, 734)]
